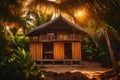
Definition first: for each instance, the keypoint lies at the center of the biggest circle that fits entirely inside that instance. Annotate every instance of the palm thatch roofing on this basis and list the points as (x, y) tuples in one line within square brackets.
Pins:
[(56, 25)]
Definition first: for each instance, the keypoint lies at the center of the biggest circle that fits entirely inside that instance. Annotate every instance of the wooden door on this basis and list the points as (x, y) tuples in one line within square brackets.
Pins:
[(76, 50), (36, 51), (58, 50)]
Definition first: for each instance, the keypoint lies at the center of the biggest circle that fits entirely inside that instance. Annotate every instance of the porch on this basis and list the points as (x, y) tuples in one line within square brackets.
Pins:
[(58, 62)]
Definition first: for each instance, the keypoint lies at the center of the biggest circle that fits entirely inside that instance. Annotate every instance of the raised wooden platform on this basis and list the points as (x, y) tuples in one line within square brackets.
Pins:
[(64, 62)]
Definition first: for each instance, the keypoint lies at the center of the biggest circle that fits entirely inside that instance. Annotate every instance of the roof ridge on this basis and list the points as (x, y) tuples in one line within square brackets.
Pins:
[(55, 20)]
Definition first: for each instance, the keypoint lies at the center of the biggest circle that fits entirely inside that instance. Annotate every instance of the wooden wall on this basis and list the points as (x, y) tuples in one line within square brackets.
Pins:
[(58, 51), (76, 50), (36, 51), (32, 50)]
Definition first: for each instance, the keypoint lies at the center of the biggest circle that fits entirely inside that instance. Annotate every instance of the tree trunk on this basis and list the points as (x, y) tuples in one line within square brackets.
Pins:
[(115, 67)]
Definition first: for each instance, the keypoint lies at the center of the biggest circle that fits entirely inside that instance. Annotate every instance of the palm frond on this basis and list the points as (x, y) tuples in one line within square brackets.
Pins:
[(23, 59)]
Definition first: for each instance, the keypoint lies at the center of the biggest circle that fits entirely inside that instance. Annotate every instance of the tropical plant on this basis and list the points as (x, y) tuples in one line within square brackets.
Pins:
[(9, 15), (105, 58), (19, 40), (10, 67), (19, 66), (34, 19), (25, 66), (89, 49), (22, 59), (7, 69)]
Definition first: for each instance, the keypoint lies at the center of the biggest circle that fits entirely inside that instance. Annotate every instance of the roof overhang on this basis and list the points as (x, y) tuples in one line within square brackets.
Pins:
[(56, 24)]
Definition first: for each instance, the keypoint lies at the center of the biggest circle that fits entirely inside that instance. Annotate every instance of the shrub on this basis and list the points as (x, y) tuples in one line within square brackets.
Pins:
[(88, 49), (105, 58), (19, 66)]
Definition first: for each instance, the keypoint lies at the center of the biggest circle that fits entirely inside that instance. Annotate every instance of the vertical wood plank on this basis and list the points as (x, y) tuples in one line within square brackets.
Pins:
[(31, 50), (55, 48), (41, 50), (80, 50), (72, 50), (38, 51), (62, 50), (76, 50), (58, 50), (34, 51)]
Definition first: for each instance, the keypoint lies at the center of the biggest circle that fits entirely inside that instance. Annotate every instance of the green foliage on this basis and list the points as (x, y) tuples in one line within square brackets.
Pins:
[(4, 42), (88, 48), (93, 50), (7, 68), (34, 74), (19, 66), (22, 59), (19, 40), (34, 19), (103, 51), (105, 58)]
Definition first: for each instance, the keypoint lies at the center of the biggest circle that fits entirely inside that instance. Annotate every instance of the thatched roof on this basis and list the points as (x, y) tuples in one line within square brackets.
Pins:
[(55, 25)]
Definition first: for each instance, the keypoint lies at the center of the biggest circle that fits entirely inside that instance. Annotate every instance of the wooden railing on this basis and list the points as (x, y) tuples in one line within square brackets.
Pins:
[(71, 37)]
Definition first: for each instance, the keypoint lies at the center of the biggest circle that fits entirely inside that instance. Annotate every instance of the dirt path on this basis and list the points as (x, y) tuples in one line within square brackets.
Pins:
[(89, 68)]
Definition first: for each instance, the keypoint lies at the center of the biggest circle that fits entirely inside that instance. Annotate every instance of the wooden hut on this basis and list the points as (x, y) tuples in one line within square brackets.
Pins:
[(55, 41)]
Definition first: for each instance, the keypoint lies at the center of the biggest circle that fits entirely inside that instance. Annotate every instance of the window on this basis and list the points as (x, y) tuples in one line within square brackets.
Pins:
[(48, 50), (68, 50)]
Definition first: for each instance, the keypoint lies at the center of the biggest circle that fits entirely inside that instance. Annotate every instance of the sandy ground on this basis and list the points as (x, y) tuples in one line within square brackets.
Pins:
[(89, 68)]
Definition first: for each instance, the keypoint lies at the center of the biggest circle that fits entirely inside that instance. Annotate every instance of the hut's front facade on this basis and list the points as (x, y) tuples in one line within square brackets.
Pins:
[(56, 40)]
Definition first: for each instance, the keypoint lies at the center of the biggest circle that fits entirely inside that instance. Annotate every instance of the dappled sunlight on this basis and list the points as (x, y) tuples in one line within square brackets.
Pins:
[(52, 0), (20, 31), (80, 14), (57, 1), (91, 70), (90, 73)]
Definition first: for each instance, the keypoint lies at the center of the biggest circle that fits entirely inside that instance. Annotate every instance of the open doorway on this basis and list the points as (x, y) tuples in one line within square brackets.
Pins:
[(48, 50), (68, 50)]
